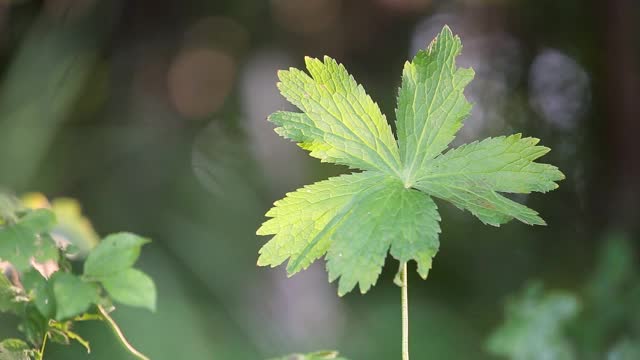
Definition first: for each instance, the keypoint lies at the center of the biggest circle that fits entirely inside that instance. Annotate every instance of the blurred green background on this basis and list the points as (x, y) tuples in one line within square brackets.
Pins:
[(152, 114)]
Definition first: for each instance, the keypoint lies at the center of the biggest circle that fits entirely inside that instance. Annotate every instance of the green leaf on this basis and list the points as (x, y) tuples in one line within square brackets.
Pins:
[(393, 217), (471, 176), (73, 295), (9, 205), (356, 219), (534, 327), (8, 294), (41, 291), (115, 253), (14, 349), (34, 325), (319, 355), (302, 222), (431, 103), (27, 239), (340, 124), (501, 164), (39, 220), (131, 287), (46, 249)]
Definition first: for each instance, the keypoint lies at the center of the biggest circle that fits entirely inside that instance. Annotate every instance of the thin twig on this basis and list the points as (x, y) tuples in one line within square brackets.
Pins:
[(123, 340), (44, 345)]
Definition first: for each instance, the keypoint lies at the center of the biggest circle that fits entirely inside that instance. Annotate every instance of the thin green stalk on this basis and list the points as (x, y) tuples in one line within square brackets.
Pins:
[(118, 332), (405, 313), (44, 345)]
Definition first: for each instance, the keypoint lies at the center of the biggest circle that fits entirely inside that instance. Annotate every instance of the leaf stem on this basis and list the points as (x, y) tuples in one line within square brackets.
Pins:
[(405, 313), (118, 332), (44, 345)]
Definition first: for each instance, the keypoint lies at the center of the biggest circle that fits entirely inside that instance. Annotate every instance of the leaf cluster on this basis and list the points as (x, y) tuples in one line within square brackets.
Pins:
[(40, 246)]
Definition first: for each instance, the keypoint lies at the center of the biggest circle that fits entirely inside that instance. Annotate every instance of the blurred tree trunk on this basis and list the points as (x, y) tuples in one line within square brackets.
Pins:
[(619, 59)]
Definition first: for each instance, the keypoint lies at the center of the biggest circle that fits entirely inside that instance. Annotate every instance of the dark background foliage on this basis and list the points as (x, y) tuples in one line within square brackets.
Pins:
[(152, 114)]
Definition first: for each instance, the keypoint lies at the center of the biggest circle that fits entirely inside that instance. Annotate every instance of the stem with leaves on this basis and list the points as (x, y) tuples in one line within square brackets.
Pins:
[(405, 312)]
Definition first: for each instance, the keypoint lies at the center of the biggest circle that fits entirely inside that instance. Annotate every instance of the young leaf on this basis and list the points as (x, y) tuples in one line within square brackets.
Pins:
[(61, 333), (131, 287), (73, 296), (115, 253), (356, 219), (27, 239)]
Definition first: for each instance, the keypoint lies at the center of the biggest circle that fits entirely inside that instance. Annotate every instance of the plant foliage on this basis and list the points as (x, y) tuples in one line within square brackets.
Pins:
[(38, 243), (535, 326), (354, 220), (601, 321)]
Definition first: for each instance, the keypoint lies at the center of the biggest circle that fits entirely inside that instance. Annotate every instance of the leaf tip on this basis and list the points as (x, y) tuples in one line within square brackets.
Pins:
[(282, 75), (309, 61), (262, 261), (561, 176)]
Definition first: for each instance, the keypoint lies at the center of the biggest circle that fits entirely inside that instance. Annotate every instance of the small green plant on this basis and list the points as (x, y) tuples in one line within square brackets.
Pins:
[(40, 245), (354, 220), (599, 321), (535, 325)]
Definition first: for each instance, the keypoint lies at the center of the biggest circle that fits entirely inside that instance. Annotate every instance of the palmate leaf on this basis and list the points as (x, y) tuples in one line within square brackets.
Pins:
[(354, 220)]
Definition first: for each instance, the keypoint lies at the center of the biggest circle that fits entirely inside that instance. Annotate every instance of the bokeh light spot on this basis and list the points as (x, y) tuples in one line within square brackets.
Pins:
[(559, 88), (199, 81)]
